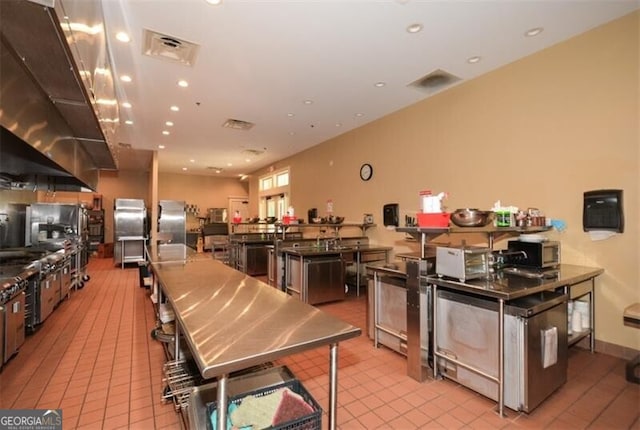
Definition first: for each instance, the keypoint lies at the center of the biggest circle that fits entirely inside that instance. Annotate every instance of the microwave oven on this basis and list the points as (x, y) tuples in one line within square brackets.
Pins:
[(463, 263), (539, 255)]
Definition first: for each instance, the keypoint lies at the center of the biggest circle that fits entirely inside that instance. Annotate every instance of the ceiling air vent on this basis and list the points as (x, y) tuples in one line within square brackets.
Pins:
[(169, 48), (237, 124), (435, 81), (254, 152)]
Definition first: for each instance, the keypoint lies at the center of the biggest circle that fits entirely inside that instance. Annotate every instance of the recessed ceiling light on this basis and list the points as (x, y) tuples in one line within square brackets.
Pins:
[(126, 105), (123, 37), (166, 132), (292, 133), (218, 171), (128, 122), (169, 124), (125, 78), (359, 114), (308, 102), (192, 161), (414, 28), (247, 160), (338, 124), (160, 146), (182, 83), (229, 164), (380, 84), (473, 60), (291, 115), (184, 169), (214, 2), (533, 31), (174, 108)]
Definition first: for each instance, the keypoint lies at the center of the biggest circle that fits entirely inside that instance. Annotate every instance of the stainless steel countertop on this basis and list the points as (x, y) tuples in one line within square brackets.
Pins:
[(396, 268), (509, 287), (174, 252), (311, 251), (232, 321)]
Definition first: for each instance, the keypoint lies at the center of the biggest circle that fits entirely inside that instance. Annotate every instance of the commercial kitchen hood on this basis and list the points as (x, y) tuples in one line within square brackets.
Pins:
[(52, 131)]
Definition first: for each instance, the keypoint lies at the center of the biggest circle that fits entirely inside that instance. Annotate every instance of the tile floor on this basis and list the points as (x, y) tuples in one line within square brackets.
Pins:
[(95, 359)]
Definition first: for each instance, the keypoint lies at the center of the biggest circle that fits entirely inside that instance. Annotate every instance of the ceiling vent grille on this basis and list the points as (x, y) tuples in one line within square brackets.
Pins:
[(435, 81), (170, 48), (237, 124), (254, 152)]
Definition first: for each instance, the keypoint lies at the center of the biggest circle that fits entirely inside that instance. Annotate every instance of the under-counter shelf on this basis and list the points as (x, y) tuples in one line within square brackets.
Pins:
[(577, 337)]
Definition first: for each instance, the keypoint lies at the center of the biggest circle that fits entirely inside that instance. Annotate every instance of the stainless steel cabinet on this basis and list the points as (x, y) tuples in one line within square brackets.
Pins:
[(255, 259), (14, 325), (315, 280), (535, 345), (130, 227), (324, 279)]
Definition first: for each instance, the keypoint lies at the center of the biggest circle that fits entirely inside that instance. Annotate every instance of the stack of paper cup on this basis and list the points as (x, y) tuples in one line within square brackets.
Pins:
[(569, 314), (583, 307), (576, 321)]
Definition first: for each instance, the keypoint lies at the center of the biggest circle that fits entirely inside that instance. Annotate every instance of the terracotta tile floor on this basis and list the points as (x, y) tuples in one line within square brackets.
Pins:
[(95, 359)]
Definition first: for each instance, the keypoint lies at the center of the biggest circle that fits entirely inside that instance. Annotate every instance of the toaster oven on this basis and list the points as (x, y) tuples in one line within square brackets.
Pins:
[(538, 255), (463, 263)]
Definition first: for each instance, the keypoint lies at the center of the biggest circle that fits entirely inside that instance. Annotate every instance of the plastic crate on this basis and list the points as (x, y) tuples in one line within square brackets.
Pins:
[(313, 421)]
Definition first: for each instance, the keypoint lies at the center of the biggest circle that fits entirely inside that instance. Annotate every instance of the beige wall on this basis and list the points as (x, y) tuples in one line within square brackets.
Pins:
[(120, 185), (536, 133), (202, 191)]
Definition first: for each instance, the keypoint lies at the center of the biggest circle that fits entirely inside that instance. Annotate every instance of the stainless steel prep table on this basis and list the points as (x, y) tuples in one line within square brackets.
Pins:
[(232, 321), (504, 288), (357, 254)]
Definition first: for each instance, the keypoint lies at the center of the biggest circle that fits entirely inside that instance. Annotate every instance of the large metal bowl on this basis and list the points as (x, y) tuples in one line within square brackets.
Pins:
[(471, 217)]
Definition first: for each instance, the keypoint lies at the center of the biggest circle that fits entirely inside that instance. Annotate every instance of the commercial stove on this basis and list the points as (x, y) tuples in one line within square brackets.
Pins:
[(46, 282), (14, 280)]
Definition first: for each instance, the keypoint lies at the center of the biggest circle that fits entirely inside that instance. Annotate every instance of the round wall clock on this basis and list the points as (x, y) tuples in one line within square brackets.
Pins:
[(366, 172)]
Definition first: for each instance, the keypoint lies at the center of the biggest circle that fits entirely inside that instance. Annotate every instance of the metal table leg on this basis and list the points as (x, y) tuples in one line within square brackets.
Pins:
[(501, 358), (333, 385), (222, 401)]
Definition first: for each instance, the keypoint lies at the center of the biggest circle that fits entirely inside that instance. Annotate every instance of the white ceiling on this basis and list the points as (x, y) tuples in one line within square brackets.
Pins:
[(258, 61)]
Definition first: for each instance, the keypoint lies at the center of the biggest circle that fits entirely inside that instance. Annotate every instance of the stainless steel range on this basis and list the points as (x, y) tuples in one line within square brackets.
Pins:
[(14, 280), (45, 281)]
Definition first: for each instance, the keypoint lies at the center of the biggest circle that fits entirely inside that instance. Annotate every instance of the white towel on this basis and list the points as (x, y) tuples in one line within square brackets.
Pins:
[(549, 339)]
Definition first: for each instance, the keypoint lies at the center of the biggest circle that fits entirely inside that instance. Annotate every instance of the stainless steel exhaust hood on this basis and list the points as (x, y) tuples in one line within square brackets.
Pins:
[(45, 104)]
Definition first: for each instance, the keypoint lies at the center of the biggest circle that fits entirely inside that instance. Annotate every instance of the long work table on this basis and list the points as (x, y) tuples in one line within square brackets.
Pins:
[(232, 321)]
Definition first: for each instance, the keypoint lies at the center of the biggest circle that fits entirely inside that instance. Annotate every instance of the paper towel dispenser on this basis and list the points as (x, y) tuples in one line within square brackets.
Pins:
[(602, 210), (390, 214)]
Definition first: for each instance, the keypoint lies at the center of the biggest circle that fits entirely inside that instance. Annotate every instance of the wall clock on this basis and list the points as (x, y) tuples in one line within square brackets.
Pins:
[(366, 172)]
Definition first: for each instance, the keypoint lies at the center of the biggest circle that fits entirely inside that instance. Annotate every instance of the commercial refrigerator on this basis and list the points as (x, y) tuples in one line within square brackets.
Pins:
[(130, 231), (172, 222)]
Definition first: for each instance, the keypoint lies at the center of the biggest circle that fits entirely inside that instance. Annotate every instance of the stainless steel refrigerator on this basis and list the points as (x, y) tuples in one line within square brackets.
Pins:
[(172, 222), (130, 231)]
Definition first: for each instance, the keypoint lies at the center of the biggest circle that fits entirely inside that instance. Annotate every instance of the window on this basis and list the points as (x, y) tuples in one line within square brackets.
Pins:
[(282, 179), (266, 183), (274, 194)]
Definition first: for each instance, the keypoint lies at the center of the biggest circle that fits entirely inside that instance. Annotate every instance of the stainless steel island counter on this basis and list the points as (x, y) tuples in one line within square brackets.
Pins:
[(510, 287), (232, 321)]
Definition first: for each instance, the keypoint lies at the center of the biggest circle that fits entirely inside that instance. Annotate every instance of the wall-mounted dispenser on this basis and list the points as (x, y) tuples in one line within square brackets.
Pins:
[(602, 210), (390, 215)]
